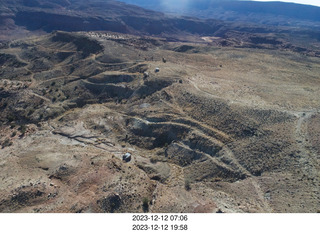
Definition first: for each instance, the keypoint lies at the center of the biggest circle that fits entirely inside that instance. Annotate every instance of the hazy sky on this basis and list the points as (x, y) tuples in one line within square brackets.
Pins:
[(183, 3), (309, 2)]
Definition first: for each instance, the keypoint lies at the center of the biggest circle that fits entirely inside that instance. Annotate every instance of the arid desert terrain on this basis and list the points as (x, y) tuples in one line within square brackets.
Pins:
[(210, 128)]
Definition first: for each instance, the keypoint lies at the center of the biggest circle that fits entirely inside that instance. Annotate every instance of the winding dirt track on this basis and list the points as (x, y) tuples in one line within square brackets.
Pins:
[(308, 156)]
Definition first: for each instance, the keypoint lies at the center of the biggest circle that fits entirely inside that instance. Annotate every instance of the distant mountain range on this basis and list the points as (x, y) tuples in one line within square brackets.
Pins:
[(20, 17), (269, 13)]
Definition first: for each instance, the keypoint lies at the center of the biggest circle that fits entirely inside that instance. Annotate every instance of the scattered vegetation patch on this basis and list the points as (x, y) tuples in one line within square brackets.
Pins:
[(110, 204), (10, 60), (83, 44), (183, 48)]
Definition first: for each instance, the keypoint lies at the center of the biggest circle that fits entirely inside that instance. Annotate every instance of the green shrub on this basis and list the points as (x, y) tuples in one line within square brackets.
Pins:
[(145, 204), (187, 185), (6, 143), (30, 112), (11, 117), (23, 129), (153, 159)]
